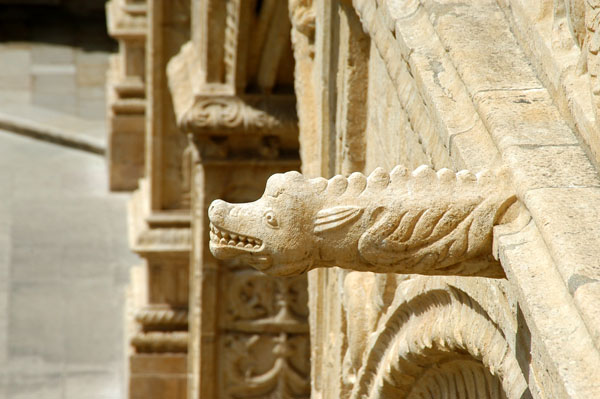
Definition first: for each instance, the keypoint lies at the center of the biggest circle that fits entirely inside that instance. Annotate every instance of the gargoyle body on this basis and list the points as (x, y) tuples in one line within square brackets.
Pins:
[(421, 222)]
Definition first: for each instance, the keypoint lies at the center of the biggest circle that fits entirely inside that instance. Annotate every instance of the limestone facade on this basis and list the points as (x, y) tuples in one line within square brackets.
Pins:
[(149, 157), (232, 87), (500, 86), (447, 209), (126, 97), (219, 120)]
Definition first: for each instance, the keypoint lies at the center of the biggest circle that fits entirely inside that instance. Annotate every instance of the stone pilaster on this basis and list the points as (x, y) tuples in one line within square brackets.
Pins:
[(232, 88), (126, 95)]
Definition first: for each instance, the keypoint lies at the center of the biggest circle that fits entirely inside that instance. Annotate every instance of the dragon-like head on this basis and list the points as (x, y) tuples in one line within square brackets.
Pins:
[(272, 234)]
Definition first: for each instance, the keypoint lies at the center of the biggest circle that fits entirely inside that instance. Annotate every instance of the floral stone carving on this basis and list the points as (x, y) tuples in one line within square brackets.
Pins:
[(421, 222)]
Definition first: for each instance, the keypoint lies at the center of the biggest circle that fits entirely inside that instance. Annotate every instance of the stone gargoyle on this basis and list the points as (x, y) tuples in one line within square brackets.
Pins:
[(421, 222)]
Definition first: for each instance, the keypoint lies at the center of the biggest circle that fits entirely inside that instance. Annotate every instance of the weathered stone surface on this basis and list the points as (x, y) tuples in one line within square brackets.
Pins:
[(448, 85), (503, 86), (421, 222)]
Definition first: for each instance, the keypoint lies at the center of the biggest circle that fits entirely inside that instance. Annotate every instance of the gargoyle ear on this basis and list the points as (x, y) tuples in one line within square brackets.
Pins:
[(333, 218)]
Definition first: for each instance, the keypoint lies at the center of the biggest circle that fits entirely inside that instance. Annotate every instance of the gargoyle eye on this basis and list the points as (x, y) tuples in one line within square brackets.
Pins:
[(271, 219)]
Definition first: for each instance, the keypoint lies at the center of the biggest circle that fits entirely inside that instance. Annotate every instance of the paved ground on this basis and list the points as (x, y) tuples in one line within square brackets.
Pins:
[(64, 259)]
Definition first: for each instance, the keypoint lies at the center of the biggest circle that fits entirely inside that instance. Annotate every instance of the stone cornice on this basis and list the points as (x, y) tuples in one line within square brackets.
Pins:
[(126, 21)]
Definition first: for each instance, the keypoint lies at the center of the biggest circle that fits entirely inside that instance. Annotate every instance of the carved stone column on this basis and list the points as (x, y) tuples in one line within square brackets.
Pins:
[(159, 223), (232, 88), (126, 95)]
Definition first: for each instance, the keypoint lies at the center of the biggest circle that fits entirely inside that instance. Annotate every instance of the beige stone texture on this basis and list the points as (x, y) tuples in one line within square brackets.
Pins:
[(479, 85), (232, 93), (469, 272), (126, 96), (157, 377), (400, 222)]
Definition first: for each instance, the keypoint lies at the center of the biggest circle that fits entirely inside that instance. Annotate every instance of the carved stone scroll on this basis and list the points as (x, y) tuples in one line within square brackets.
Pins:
[(250, 114), (421, 222)]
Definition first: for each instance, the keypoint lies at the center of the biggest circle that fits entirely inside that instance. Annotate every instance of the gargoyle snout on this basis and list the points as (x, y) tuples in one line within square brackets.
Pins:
[(218, 211)]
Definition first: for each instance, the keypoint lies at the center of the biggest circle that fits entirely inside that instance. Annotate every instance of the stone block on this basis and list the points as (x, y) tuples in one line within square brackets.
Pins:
[(550, 166), (38, 387), (91, 68), (485, 53), (52, 54), (93, 319), (523, 117), (92, 385), (158, 376), (15, 64), (36, 321)]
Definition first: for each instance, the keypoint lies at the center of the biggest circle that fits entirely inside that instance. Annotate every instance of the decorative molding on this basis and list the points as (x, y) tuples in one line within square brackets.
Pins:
[(282, 373), (160, 342), (148, 235), (219, 115), (421, 222), (151, 318), (255, 303), (125, 21)]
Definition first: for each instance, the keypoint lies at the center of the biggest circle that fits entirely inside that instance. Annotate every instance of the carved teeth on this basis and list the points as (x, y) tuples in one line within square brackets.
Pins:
[(232, 239)]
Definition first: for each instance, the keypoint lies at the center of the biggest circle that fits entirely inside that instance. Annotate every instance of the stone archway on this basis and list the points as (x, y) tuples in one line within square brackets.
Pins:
[(439, 343)]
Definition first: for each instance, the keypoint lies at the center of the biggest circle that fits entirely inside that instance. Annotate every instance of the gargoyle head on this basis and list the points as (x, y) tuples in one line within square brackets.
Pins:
[(282, 232), (272, 234)]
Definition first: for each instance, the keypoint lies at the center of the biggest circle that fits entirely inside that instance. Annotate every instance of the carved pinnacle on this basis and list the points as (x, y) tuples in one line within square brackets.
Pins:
[(421, 222)]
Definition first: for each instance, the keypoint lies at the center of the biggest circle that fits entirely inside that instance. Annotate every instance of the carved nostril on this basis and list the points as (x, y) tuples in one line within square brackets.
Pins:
[(217, 209)]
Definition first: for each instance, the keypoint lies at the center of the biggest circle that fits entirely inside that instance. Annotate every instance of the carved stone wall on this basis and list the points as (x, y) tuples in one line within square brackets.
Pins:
[(232, 91), (506, 86), (126, 97), (147, 153), (450, 85), (486, 283)]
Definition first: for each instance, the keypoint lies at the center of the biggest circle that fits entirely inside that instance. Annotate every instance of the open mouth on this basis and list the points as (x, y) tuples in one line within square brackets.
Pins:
[(221, 237)]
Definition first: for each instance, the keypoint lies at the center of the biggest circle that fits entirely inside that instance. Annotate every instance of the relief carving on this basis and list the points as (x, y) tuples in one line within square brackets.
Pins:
[(583, 17), (266, 366), (592, 44), (421, 222), (255, 302), (231, 114)]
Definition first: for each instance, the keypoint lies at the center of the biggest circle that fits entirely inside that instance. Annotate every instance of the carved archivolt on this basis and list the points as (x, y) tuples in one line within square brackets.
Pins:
[(421, 222), (438, 343)]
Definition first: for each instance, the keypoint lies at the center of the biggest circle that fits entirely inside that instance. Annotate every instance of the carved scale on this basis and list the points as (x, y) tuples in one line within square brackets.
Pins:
[(421, 222)]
